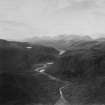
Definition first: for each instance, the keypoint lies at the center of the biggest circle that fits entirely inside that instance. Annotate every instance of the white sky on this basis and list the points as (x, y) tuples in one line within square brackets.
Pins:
[(20, 19)]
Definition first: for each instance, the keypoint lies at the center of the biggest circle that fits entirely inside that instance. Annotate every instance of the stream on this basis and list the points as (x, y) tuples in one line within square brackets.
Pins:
[(41, 69)]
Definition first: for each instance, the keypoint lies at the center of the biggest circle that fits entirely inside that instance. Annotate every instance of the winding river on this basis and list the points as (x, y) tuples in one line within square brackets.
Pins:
[(41, 69)]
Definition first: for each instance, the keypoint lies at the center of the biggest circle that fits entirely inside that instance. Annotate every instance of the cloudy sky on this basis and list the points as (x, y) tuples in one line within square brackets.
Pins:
[(20, 19)]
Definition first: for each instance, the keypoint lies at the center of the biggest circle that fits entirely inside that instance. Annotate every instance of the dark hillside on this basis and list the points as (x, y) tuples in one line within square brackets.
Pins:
[(19, 83), (83, 60), (84, 67), (16, 56)]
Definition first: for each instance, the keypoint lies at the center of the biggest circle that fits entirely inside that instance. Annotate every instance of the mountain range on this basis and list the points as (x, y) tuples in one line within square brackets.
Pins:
[(62, 42)]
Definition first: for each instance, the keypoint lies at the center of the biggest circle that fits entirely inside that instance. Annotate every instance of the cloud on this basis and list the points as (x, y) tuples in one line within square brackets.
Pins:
[(26, 18), (86, 4)]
